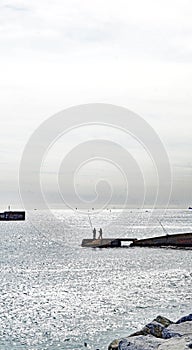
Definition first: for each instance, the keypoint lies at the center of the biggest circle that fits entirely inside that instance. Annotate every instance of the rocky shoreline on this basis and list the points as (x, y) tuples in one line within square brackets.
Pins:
[(161, 334)]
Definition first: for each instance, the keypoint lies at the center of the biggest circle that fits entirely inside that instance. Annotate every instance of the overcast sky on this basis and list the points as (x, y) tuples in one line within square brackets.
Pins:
[(56, 54)]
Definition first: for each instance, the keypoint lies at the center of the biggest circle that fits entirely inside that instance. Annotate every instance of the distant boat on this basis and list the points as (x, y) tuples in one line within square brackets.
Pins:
[(190, 208), (12, 215)]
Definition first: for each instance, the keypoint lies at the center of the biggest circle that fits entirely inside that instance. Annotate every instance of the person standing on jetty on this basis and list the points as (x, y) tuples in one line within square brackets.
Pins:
[(94, 233), (100, 234)]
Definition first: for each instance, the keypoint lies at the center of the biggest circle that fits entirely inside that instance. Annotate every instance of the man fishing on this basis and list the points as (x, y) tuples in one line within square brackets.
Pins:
[(100, 233), (94, 233)]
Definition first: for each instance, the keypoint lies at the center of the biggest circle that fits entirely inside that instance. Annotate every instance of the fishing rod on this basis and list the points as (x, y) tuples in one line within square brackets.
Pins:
[(90, 222), (162, 227)]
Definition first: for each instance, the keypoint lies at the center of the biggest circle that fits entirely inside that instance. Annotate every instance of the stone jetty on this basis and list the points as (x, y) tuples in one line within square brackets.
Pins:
[(179, 240), (160, 334), (105, 242)]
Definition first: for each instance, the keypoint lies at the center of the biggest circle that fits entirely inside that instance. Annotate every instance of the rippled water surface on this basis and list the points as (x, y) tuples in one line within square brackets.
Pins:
[(56, 295)]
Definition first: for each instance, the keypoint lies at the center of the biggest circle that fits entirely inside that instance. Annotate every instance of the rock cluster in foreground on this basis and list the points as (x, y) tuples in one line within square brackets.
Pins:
[(161, 334)]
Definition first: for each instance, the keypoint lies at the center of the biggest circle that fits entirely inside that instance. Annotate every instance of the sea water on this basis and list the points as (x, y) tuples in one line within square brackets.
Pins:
[(54, 294)]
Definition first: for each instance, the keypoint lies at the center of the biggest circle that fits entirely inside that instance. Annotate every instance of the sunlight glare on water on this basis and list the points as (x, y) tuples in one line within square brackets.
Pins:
[(55, 294)]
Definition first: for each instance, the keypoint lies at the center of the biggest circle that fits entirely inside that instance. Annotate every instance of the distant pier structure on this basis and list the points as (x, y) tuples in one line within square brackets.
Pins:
[(12, 216)]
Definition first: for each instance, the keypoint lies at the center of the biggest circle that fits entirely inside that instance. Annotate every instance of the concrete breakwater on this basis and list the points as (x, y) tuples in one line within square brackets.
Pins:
[(181, 240), (161, 334)]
